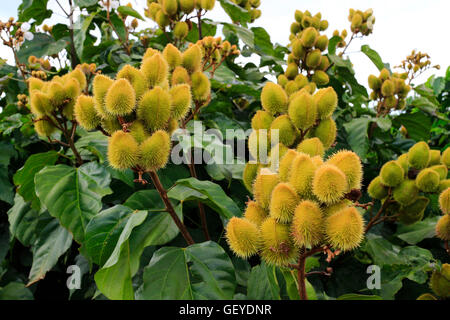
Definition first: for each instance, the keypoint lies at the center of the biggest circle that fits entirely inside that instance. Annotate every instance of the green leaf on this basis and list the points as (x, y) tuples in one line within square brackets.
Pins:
[(23, 221), (235, 12), (94, 142), (201, 271), (15, 291), (262, 283), (34, 9), (244, 34), (418, 125), (341, 62), (6, 188), (40, 46), (418, 231), (73, 195), (81, 28), (374, 57), (382, 251), (357, 136), (128, 11), (85, 3), (208, 192), (52, 243), (332, 44), (355, 296), (384, 123), (119, 26)]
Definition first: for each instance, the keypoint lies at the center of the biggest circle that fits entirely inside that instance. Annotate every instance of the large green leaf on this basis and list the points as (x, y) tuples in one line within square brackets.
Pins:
[(357, 135), (374, 57), (235, 12), (23, 221), (128, 11), (418, 125), (73, 195), (15, 291), (81, 28), (85, 3), (34, 9), (6, 188), (418, 231), (262, 283), (200, 271), (52, 243)]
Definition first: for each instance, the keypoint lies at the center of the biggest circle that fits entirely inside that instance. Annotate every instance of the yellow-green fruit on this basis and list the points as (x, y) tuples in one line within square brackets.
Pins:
[(298, 49), (201, 87), (286, 130), (192, 58), (100, 86), (317, 160), (284, 170), (301, 81), (40, 103), (345, 229), (302, 111), (307, 227), (155, 70), (120, 99), (123, 150), (135, 77), (329, 184), (445, 158), (172, 56), (413, 212), (320, 78), (291, 71), (249, 175), (291, 87), (111, 125), (181, 30), (302, 174), (326, 132), (357, 21), (336, 207), (264, 183), (444, 201), (324, 63), (388, 88), (443, 228), (406, 192), (155, 151), (261, 120), (35, 84), (283, 201), (243, 237), (56, 94), (326, 101), (162, 19), (444, 184), (274, 99), (441, 170), (181, 100), (259, 144), (435, 157), (312, 147), (419, 155), (374, 82), (282, 80), (169, 7), (137, 130), (322, 42), (149, 53), (350, 164), (255, 213), (391, 174), (155, 108), (179, 76), (277, 246), (376, 189), (309, 37), (427, 180), (313, 58), (440, 281), (80, 77), (85, 113), (187, 6), (207, 4), (384, 74), (426, 296), (403, 162), (44, 128)]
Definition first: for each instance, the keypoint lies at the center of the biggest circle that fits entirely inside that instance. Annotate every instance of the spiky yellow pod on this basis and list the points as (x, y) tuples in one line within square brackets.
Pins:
[(384, 74), (136, 79), (169, 7), (440, 281), (326, 101), (155, 69), (426, 296), (298, 49), (149, 53), (111, 125), (155, 108), (44, 128), (301, 81), (403, 162), (173, 56), (274, 99), (284, 170), (155, 151), (286, 130), (120, 99), (336, 207), (307, 227), (376, 189), (391, 174), (419, 155), (302, 111), (180, 76), (322, 42), (255, 213), (317, 160), (374, 82), (443, 228), (276, 154), (207, 4), (406, 192), (291, 88), (249, 175), (101, 84), (283, 202), (35, 84), (427, 180), (181, 100), (435, 157), (181, 30), (80, 77), (444, 184), (123, 150), (85, 113), (201, 87), (302, 174), (162, 19), (264, 183), (243, 237), (187, 6), (350, 164), (192, 58), (445, 158), (40, 103), (312, 147), (291, 71), (441, 170), (413, 212), (326, 132), (309, 37), (56, 94), (277, 246), (320, 77), (345, 229), (329, 184), (444, 201), (313, 59), (137, 130), (282, 80), (261, 120), (387, 88)]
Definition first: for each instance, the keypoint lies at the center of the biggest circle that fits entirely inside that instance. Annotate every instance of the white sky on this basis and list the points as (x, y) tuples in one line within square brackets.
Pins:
[(401, 25)]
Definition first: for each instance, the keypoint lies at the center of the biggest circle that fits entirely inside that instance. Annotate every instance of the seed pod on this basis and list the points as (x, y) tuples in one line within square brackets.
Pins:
[(282, 80), (35, 84), (326, 101), (298, 49), (286, 130), (137, 130), (441, 170), (181, 101), (419, 155), (120, 99), (56, 94), (445, 158), (192, 59), (426, 296), (406, 192), (255, 213), (155, 70), (301, 81), (291, 87), (40, 103), (384, 74), (376, 189), (155, 151), (322, 42), (276, 153), (44, 128), (274, 99), (243, 237), (350, 164), (155, 108), (207, 4), (444, 201), (172, 55), (309, 37), (374, 82), (312, 147), (427, 180), (135, 77), (440, 281), (283, 202), (402, 161), (329, 184), (336, 207), (435, 157), (443, 228), (313, 59), (111, 125), (277, 246), (123, 150), (387, 88), (264, 183), (78, 75), (179, 76), (249, 175), (85, 113), (187, 6), (345, 229), (162, 19), (101, 84), (326, 132), (302, 174), (414, 212), (284, 170), (181, 30), (291, 71), (302, 111), (320, 78), (444, 184), (307, 227), (261, 120), (169, 7), (150, 52), (391, 174), (201, 87), (357, 21)]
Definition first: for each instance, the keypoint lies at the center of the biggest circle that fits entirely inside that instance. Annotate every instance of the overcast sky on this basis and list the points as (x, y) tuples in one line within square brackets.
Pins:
[(401, 25)]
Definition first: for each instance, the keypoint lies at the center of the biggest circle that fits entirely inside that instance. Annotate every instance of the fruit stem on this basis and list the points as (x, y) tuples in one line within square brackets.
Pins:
[(301, 277)]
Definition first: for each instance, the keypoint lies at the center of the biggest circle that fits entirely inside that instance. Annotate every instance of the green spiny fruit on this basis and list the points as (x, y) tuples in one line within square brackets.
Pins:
[(443, 228), (426, 296), (286, 130), (336, 207), (192, 59), (403, 162), (291, 87), (155, 69), (80, 77), (123, 150), (261, 120), (419, 155), (180, 76), (162, 19), (282, 80), (284, 170), (149, 53), (444, 184), (255, 213), (322, 42), (350, 164), (111, 125), (264, 183), (301, 81), (56, 94), (326, 132), (444, 201), (406, 192), (302, 174), (298, 49), (445, 158), (207, 4), (181, 30), (302, 111), (274, 99), (85, 113), (249, 175), (345, 229), (35, 84), (313, 59), (329, 184), (137, 130), (320, 78), (387, 88), (312, 147), (317, 160), (326, 101), (120, 99), (136, 79), (440, 281), (172, 55), (376, 189), (435, 157), (391, 174), (324, 64), (374, 82), (40, 103), (101, 84), (283, 201), (187, 6), (277, 246), (276, 153), (155, 108), (414, 212), (155, 151), (243, 237), (44, 128), (427, 180), (384, 74), (169, 7), (72, 91), (291, 71), (181, 100), (441, 170), (309, 37), (201, 87), (307, 225)]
